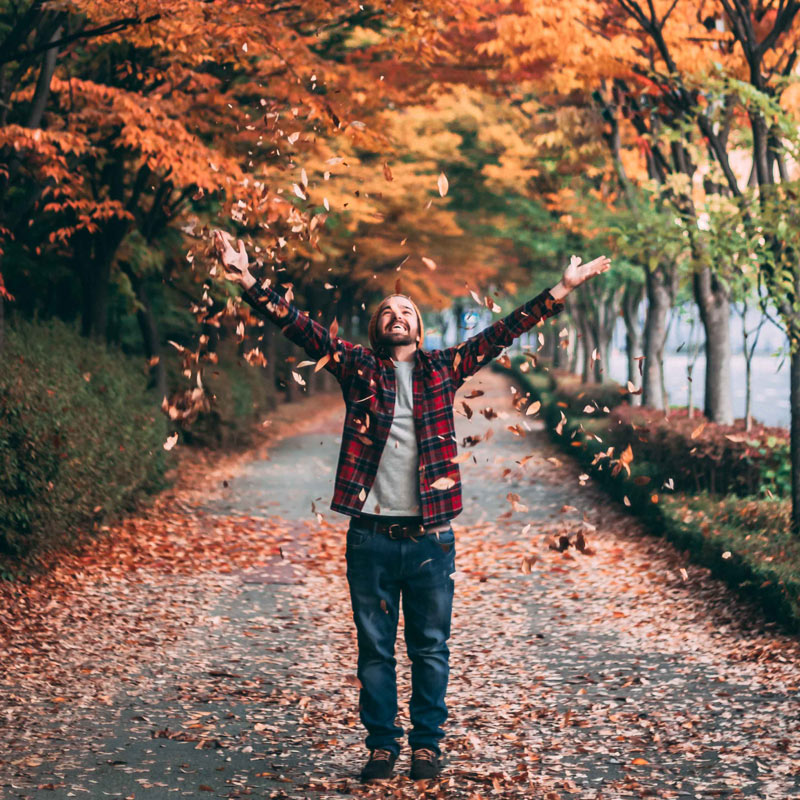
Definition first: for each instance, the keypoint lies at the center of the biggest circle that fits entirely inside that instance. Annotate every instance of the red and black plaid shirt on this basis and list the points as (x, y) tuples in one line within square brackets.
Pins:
[(368, 384)]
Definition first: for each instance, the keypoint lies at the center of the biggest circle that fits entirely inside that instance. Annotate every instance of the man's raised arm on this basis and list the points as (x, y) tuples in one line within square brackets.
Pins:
[(469, 356), (339, 355)]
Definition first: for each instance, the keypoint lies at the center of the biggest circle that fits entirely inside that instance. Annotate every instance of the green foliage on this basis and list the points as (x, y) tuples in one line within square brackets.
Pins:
[(80, 438), (775, 467)]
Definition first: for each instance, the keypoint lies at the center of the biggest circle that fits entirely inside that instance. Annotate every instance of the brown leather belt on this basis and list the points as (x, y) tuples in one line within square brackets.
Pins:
[(395, 530)]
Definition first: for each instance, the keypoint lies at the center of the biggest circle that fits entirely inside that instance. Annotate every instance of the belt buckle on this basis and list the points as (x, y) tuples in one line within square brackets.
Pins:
[(395, 525)]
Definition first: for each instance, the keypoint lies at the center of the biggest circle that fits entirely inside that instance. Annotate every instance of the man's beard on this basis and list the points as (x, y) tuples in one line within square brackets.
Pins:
[(396, 338)]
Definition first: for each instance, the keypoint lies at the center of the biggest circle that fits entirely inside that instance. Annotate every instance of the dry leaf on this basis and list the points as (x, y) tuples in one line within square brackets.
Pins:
[(443, 184)]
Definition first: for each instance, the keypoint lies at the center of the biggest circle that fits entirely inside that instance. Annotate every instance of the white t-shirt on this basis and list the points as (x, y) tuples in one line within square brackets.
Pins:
[(395, 492)]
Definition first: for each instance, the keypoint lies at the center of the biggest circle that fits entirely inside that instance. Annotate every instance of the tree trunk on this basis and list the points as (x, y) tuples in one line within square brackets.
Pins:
[(605, 316), (587, 372), (748, 373), (659, 302), (714, 304), (570, 355), (631, 300), (152, 341), (95, 298), (42, 93), (794, 402)]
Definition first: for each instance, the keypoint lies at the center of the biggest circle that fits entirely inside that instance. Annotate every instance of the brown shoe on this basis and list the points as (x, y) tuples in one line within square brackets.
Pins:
[(379, 767), (424, 764)]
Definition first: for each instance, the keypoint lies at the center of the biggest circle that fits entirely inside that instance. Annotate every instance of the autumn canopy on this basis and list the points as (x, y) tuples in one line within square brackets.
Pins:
[(461, 151)]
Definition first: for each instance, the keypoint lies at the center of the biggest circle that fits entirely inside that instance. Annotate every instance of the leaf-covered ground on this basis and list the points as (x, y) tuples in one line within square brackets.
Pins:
[(207, 647)]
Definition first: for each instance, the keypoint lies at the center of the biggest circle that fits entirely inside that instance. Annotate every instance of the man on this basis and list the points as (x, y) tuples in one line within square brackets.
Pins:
[(397, 480)]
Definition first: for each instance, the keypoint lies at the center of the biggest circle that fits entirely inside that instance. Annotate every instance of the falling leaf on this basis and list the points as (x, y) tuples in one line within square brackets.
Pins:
[(698, 430), (443, 483), (171, 441), (491, 305), (298, 191), (533, 408), (334, 328), (387, 173), (322, 362), (443, 184), (515, 502), (429, 263), (460, 458), (632, 389), (626, 457), (362, 495), (298, 378)]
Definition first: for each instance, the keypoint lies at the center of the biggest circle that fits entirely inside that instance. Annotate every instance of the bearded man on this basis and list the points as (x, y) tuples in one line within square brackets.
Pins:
[(398, 481)]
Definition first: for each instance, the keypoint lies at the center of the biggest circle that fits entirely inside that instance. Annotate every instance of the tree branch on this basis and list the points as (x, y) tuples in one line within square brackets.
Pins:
[(110, 27)]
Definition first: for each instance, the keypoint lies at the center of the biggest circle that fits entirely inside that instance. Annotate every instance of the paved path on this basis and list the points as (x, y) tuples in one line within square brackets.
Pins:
[(621, 671)]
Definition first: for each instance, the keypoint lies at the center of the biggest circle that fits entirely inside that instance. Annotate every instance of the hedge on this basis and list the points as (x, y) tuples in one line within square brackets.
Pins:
[(81, 440), (713, 530)]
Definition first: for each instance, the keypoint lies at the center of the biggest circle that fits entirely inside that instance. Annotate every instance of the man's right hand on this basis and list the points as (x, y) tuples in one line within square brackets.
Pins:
[(233, 261)]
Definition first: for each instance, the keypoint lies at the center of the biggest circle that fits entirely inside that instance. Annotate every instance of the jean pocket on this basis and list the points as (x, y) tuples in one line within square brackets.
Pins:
[(357, 537), (443, 537)]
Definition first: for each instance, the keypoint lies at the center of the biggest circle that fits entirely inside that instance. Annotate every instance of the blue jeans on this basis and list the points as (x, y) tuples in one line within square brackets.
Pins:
[(379, 571)]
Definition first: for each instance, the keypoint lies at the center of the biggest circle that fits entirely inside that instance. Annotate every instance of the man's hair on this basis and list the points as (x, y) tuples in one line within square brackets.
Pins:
[(372, 329)]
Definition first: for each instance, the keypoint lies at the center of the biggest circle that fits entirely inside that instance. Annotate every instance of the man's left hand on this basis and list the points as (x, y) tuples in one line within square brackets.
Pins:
[(576, 273)]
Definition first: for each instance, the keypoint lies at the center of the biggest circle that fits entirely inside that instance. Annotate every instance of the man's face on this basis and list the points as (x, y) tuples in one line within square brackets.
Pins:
[(397, 322)]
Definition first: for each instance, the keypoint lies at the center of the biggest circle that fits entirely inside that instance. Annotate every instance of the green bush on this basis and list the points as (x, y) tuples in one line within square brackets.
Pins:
[(80, 438)]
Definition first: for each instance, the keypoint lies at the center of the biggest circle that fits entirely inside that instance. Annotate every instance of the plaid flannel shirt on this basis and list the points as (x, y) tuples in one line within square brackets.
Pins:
[(367, 379)]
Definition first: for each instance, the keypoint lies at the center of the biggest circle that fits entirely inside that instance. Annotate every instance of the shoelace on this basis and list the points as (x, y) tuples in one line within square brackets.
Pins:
[(423, 752), (381, 755)]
